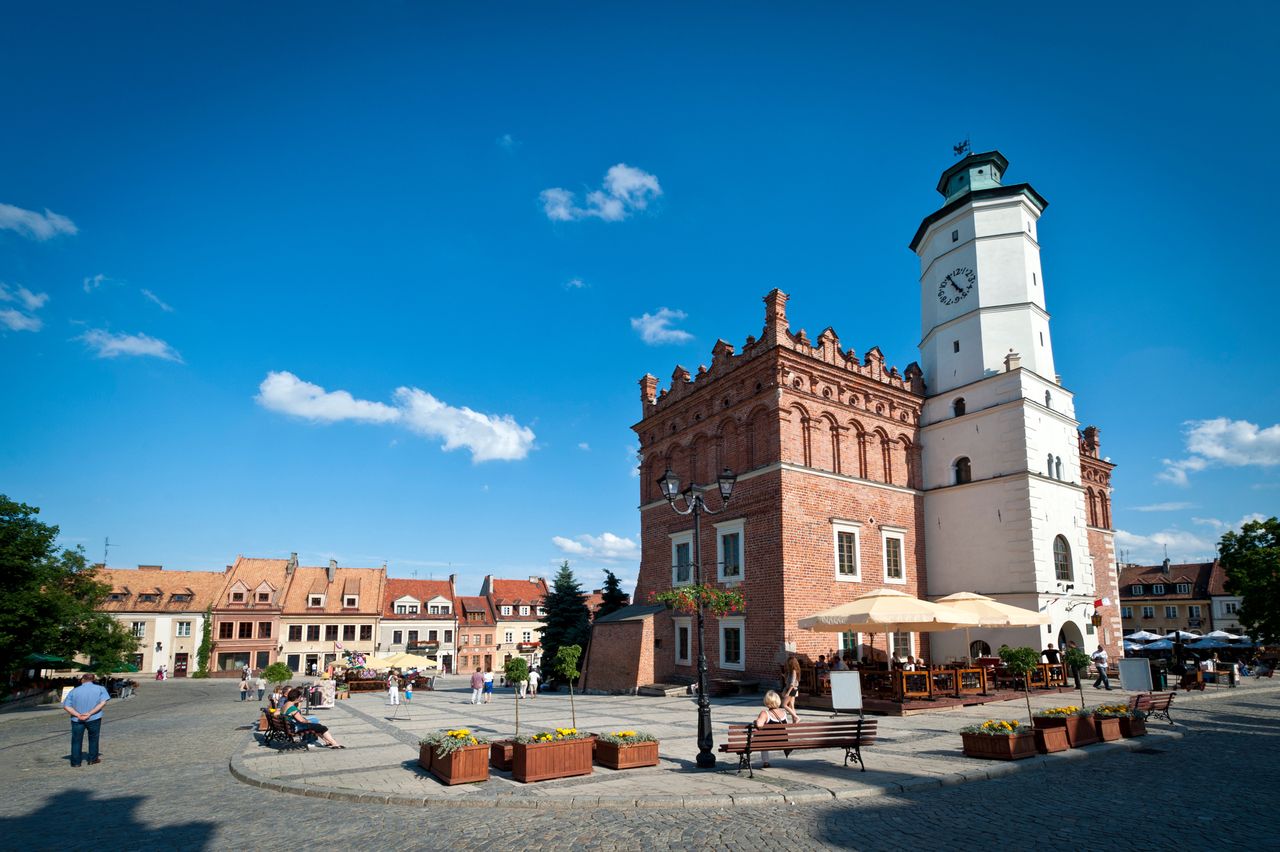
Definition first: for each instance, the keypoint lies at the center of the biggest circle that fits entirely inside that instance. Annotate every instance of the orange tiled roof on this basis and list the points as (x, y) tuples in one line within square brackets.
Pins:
[(1195, 574), (419, 590), (518, 592), (315, 581), (464, 605), (203, 586), (252, 573)]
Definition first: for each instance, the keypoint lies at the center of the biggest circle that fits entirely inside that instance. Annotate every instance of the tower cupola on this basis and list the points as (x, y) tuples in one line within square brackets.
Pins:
[(976, 171)]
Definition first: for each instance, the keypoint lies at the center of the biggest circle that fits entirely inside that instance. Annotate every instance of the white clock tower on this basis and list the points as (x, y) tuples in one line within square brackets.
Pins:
[(1004, 508)]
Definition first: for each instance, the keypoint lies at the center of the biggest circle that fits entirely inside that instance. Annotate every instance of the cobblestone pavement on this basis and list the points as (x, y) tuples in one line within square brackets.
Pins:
[(164, 781)]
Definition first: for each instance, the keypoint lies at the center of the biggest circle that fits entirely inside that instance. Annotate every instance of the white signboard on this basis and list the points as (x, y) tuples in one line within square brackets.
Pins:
[(846, 691), (1135, 675)]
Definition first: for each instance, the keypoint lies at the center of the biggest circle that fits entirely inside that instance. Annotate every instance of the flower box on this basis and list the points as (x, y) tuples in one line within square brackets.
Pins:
[(1108, 728), (1132, 727), (500, 754), (1080, 729), (1051, 740), (626, 756), (466, 765), (555, 759), (1000, 746)]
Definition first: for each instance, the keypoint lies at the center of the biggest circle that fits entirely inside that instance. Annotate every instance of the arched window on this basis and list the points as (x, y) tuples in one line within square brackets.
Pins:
[(957, 407), (1048, 400), (1050, 465), (1057, 467), (963, 473), (1062, 559), (978, 648)]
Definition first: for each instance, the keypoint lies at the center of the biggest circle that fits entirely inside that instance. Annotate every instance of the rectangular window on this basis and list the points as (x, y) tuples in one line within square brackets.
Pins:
[(1126, 612), (331, 633), (366, 632), (848, 566), (1171, 612), (397, 637), (729, 556), (226, 630), (1157, 589), (1135, 590), (433, 635), (895, 570), (464, 639), (1229, 607), (184, 628), (315, 600), (413, 636), (264, 597), (448, 636), (401, 609), (510, 636), (348, 633), (295, 632), (506, 610), (682, 642), (148, 598), (488, 638), (849, 641), (237, 597), (955, 346), (1148, 612), (955, 236), (1184, 588), (542, 611), (526, 636), (1193, 612), (245, 630), (732, 636), (313, 632), (681, 559), (475, 638), (350, 602), (524, 610), (139, 628), (264, 629), (901, 645)]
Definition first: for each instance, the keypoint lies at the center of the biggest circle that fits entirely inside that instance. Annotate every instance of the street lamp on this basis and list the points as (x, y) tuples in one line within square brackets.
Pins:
[(695, 505)]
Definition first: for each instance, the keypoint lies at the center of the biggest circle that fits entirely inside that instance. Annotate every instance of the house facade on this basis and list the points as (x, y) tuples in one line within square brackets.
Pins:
[(518, 612), (246, 615), (165, 611), (1224, 608), (328, 611), (418, 617), (1166, 597), (477, 632)]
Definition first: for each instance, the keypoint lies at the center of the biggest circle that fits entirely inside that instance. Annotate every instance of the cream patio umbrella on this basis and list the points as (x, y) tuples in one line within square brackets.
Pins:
[(887, 611), (405, 660), (991, 613)]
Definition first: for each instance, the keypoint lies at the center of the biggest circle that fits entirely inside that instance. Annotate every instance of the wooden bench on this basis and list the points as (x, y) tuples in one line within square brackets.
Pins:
[(733, 686), (849, 734), (280, 730), (1155, 705)]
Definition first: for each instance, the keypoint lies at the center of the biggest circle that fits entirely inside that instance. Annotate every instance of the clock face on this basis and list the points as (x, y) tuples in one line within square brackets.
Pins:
[(956, 284)]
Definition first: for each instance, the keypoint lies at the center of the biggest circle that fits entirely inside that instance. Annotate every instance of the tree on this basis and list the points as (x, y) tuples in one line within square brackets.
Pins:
[(1021, 662), (51, 597), (517, 672), (613, 598), (206, 644), (565, 664), (277, 673), (1251, 559), (1076, 661), (568, 621)]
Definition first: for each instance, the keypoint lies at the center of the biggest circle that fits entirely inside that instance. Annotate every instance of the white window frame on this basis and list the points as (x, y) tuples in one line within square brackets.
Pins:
[(735, 527), (511, 636), (524, 611), (312, 599), (738, 623), (184, 628), (542, 611), (138, 629), (1230, 607), (1157, 589), (1193, 611), (855, 529), (1148, 612), (1126, 612), (506, 610), (353, 602), (1135, 589), (900, 534), (678, 539), (893, 645), (1170, 611), (1183, 588), (687, 625), (526, 636)]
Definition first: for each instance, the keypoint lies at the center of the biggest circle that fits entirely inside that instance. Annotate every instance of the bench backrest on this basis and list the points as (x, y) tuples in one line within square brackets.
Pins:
[(1147, 703), (803, 734)]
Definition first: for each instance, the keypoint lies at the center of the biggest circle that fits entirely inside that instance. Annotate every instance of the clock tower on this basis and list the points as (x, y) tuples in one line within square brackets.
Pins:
[(1003, 501)]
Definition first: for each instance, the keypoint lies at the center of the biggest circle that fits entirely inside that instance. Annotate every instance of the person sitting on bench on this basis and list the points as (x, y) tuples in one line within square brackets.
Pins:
[(773, 714), (302, 724)]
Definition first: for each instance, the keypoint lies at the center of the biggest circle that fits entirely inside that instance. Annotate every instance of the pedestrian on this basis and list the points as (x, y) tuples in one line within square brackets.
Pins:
[(488, 686), (262, 687), (534, 677), (477, 686), (791, 685), (84, 705), (393, 689), (772, 714), (1099, 658), (244, 687), (1051, 655), (408, 689)]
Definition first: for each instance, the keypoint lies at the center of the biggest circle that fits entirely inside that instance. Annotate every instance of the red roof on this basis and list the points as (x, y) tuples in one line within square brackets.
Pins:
[(420, 590), (464, 605), (529, 592), (1196, 574), (1218, 579)]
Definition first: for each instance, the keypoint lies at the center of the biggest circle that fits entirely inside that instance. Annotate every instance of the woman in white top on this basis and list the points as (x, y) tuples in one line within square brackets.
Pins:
[(772, 714)]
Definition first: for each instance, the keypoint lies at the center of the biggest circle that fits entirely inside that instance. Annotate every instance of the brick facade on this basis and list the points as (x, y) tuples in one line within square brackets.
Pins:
[(1095, 472)]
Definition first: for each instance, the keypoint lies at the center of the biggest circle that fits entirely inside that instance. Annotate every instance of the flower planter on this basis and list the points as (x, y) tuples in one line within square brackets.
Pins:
[(1051, 740), (500, 754), (1108, 728), (466, 765), (1130, 727), (999, 747), (626, 757), (1080, 729), (557, 759)]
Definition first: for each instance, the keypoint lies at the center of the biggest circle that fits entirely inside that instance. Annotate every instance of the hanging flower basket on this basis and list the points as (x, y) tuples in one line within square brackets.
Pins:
[(626, 750), (559, 754)]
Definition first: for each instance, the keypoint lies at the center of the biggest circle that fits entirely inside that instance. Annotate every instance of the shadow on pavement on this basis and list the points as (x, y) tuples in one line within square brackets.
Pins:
[(111, 822)]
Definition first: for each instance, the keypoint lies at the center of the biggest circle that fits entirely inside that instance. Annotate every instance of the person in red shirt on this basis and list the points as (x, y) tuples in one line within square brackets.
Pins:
[(477, 685)]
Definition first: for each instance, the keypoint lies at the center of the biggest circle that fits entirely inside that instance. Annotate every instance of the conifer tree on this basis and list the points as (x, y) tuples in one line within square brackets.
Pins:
[(568, 621), (614, 598)]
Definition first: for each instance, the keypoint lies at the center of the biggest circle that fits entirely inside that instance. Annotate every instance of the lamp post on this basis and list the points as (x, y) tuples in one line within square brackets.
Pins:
[(695, 505)]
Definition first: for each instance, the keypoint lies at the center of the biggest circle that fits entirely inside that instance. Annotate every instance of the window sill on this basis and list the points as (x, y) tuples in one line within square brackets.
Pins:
[(848, 578)]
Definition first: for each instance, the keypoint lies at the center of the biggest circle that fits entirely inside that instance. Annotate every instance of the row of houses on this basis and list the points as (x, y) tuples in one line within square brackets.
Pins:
[(1187, 596), (268, 610)]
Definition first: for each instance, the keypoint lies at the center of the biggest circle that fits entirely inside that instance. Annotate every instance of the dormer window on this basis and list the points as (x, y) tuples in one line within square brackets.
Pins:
[(237, 597), (181, 598), (351, 602), (148, 598), (315, 600), (524, 610), (1135, 589), (116, 596), (264, 597), (1184, 588), (506, 610), (542, 611), (1157, 589)]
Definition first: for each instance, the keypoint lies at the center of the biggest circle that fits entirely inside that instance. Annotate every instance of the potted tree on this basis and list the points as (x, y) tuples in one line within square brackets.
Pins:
[(999, 739), (455, 757), (551, 754), (1076, 661), (565, 665), (626, 749)]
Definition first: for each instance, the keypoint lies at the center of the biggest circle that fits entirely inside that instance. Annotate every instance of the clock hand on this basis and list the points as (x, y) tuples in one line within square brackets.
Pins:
[(953, 284)]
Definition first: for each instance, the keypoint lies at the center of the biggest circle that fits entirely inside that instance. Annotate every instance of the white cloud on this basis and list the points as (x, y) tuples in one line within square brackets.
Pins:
[(489, 437), (1183, 546), (93, 282), (33, 225), (576, 284), (108, 345), (1220, 527), (584, 446), (1163, 507), (507, 142), (1226, 443), (286, 393), (625, 189), (160, 303), (655, 328), (606, 547), (24, 319)]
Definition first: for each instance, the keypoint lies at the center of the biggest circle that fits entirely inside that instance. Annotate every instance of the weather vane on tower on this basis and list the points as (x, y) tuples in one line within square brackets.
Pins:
[(961, 149)]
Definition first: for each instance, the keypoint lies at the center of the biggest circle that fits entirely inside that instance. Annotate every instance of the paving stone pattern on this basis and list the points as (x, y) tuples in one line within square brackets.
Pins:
[(164, 782)]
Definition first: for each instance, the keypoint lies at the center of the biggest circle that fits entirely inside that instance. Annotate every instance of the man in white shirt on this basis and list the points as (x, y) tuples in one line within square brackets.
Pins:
[(534, 677), (1099, 658), (393, 689)]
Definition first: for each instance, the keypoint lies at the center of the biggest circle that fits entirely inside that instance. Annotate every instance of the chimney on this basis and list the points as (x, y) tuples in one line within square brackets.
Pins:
[(291, 564), (1164, 568), (1012, 361), (648, 390), (775, 318), (535, 580), (333, 570)]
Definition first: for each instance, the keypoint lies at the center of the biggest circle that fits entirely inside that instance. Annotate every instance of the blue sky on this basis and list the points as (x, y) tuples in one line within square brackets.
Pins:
[(378, 283)]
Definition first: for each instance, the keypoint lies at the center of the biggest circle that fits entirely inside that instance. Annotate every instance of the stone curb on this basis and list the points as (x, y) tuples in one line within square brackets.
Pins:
[(802, 797)]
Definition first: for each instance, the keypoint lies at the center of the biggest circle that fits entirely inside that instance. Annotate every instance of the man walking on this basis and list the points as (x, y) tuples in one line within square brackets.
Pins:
[(1099, 658), (84, 705), (477, 686), (534, 677), (393, 689)]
